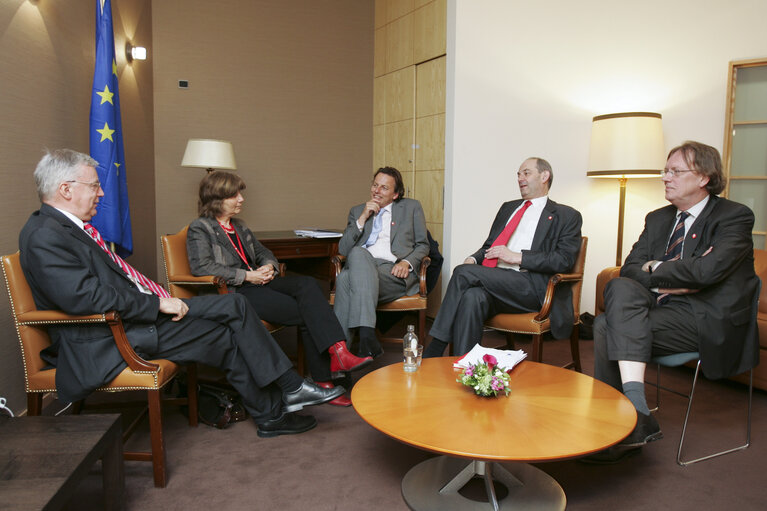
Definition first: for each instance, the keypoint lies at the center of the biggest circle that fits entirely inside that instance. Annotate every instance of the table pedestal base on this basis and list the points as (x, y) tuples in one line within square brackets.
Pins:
[(434, 484)]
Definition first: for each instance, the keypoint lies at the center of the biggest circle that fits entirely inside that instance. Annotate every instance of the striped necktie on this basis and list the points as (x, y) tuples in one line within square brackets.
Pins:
[(132, 273), (674, 250)]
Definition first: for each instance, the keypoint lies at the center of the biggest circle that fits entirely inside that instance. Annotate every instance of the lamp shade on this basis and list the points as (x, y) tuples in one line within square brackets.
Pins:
[(209, 154), (626, 145)]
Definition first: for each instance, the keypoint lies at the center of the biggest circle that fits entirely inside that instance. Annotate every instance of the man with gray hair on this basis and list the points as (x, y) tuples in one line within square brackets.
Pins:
[(530, 240), (69, 267), (688, 285)]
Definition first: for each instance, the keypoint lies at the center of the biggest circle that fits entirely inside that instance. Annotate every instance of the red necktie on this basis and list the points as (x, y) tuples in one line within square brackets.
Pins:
[(135, 275), (505, 236)]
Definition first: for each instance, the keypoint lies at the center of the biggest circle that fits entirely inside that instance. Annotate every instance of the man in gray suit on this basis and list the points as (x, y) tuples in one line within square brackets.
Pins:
[(384, 242)]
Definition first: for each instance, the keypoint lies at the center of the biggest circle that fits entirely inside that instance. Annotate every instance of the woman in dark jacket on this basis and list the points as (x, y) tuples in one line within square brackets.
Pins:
[(219, 244)]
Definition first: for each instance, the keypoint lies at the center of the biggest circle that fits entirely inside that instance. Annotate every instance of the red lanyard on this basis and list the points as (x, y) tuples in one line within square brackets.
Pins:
[(240, 251)]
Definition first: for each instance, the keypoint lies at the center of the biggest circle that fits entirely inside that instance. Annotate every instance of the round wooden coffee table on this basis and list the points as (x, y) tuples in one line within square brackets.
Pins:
[(551, 414)]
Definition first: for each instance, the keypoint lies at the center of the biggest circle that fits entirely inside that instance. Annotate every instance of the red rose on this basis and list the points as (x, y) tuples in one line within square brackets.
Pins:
[(490, 361)]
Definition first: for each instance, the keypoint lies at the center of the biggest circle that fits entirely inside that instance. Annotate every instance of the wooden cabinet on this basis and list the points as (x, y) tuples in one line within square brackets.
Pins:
[(745, 141)]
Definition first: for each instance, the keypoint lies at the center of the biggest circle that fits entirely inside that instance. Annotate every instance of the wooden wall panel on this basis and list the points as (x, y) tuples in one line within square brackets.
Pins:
[(399, 145), (430, 87), (399, 43), (397, 8), (379, 52), (380, 13), (428, 190), (430, 31), (430, 143), (400, 94)]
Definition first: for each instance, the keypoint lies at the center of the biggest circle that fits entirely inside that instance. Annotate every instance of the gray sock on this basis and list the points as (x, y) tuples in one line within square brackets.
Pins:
[(634, 390)]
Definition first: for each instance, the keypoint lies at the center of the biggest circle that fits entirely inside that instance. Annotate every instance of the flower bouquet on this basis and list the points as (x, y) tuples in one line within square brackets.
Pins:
[(486, 378)]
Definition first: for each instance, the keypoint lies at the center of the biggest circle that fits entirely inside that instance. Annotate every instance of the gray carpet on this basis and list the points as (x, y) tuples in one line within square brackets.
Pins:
[(344, 464)]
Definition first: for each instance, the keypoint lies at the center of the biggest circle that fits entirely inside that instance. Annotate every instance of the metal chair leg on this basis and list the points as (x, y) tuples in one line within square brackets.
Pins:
[(687, 416)]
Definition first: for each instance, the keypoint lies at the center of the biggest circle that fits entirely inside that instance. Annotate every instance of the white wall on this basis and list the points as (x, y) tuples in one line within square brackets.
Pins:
[(525, 79)]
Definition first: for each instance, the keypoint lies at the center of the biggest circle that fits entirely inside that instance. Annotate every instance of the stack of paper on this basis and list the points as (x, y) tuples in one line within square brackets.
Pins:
[(312, 232), (507, 359)]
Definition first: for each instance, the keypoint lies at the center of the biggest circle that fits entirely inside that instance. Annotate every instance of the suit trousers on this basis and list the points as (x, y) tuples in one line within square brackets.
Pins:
[(364, 283), (474, 294), (225, 332), (298, 300), (634, 327)]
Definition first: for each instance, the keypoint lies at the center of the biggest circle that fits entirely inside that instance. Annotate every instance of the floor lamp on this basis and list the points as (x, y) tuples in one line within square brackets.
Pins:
[(625, 146), (209, 154)]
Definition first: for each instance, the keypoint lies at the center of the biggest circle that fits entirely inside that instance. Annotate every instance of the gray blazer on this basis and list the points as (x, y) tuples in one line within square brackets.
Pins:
[(210, 250), (408, 232)]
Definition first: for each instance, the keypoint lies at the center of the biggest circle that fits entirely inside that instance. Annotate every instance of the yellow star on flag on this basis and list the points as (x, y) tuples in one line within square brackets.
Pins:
[(118, 168), (106, 133), (106, 95), (114, 67)]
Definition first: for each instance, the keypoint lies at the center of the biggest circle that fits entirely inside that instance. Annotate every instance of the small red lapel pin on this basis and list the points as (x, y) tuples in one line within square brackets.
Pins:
[(694, 236), (550, 217)]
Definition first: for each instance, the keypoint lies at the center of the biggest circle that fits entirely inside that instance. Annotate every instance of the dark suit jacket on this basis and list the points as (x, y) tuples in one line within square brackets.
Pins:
[(555, 247), (211, 252), (67, 271), (409, 241), (725, 279)]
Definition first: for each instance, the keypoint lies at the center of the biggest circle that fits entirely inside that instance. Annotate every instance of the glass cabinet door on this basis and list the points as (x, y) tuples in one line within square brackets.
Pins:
[(745, 141)]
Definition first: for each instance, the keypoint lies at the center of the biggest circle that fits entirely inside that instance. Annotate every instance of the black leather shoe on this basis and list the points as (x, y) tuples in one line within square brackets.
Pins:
[(611, 455), (309, 394), (646, 430), (286, 424)]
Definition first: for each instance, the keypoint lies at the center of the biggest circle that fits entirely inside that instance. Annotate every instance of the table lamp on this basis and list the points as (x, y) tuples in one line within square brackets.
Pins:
[(209, 154), (623, 146)]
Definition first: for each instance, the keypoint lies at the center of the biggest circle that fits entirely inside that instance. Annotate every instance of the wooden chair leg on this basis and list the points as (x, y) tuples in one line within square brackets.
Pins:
[(300, 354), (575, 348), (510, 341), (191, 393), (156, 435), (422, 325), (34, 403), (537, 355)]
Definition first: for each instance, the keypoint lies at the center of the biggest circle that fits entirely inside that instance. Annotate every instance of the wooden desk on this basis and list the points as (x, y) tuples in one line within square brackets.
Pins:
[(310, 256), (551, 414), (42, 459)]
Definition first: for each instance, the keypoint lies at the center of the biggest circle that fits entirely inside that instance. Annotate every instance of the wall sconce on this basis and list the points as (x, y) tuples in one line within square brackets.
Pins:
[(134, 52), (209, 154), (623, 146)]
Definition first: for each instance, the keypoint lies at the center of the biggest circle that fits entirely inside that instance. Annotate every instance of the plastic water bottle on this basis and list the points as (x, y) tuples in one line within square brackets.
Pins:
[(411, 350)]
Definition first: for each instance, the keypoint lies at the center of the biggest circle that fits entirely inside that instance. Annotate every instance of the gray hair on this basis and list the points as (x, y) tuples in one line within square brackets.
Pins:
[(542, 165), (58, 166)]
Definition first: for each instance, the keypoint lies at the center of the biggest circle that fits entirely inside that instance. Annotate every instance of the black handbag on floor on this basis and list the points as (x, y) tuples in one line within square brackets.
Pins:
[(219, 406)]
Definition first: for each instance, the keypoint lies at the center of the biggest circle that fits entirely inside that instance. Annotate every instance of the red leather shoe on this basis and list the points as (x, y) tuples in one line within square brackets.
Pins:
[(340, 400), (341, 359)]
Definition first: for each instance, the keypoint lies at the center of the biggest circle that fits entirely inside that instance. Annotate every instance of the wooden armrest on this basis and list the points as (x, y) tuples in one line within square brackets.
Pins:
[(188, 279), (548, 299), (425, 262), (111, 318)]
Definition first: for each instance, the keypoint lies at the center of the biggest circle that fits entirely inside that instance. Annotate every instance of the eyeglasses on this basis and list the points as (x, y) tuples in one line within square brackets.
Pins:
[(675, 172), (93, 186)]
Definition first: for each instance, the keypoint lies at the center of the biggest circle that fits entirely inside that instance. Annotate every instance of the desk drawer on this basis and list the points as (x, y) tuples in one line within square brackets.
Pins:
[(299, 250)]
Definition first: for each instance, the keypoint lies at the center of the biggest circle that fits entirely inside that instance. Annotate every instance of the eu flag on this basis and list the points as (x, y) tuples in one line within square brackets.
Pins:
[(106, 142)]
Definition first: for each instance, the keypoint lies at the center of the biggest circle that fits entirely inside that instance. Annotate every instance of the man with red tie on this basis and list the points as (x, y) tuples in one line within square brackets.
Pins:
[(531, 239), (69, 267)]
